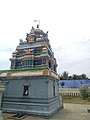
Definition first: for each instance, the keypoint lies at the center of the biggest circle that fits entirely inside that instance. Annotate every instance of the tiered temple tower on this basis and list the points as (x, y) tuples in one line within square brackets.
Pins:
[(34, 52), (32, 83)]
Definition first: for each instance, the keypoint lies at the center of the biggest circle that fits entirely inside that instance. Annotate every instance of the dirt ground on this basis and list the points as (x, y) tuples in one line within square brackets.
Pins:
[(70, 112)]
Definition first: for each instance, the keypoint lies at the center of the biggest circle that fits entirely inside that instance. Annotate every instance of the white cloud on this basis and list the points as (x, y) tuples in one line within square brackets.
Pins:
[(74, 58)]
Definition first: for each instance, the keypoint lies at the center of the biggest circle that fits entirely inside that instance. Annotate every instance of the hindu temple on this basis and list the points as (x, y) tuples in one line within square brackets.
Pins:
[(32, 83)]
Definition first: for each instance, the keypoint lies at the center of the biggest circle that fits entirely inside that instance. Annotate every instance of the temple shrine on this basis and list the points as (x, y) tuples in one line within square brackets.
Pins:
[(32, 83)]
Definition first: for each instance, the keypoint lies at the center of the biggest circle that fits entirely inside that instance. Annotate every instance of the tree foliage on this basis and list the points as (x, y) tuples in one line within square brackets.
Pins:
[(62, 84), (65, 76), (85, 92)]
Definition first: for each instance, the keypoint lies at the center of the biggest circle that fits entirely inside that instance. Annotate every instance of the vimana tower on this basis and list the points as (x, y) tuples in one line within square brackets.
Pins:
[(32, 83)]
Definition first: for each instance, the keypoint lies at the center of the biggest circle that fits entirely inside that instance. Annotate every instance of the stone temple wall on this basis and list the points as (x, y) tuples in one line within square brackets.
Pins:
[(37, 95)]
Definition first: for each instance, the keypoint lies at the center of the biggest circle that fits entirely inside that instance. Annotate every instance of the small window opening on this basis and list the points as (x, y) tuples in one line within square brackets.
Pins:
[(26, 91), (53, 88)]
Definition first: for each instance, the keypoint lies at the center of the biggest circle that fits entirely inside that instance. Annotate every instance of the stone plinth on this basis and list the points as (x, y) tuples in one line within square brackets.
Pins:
[(1, 118)]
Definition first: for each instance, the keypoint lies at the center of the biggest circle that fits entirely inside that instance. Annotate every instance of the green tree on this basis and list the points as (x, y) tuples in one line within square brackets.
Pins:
[(75, 77), (62, 84), (83, 76), (84, 91), (70, 77), (64, 75)]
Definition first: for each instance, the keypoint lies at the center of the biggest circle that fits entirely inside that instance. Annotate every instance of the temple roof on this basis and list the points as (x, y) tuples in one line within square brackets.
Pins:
[(34, 52), (36, 34), (37, 31)]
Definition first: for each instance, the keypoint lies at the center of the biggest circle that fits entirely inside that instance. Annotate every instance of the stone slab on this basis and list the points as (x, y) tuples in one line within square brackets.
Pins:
[(0, 113), (1, 118)]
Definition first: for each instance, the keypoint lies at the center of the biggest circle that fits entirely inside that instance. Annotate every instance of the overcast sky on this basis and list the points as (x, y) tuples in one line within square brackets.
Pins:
[(68, 23)]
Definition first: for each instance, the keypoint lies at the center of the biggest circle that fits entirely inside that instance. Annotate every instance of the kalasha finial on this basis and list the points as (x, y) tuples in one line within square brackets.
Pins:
[(38, 25)]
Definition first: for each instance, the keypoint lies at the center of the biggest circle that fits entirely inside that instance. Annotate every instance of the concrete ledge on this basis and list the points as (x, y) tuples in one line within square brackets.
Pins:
[(1, 118), (0, 113), (34, 112)]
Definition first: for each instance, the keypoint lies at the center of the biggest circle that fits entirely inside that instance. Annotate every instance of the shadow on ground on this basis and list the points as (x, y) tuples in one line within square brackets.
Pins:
[(70, 112)]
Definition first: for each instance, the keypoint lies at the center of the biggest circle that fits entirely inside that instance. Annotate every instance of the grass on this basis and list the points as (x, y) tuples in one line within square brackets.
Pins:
[(75, 100)]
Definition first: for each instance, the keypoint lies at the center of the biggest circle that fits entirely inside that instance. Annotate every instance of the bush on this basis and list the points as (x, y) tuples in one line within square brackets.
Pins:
[(62, 84), (85, 92)]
